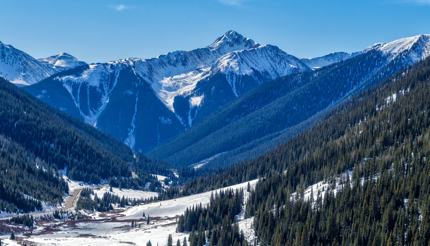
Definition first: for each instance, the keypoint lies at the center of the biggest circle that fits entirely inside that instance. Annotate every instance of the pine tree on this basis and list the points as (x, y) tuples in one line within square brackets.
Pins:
[(170, 240)]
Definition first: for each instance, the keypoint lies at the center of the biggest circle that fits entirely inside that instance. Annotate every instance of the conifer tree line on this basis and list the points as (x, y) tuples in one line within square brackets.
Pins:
[(36, 142), (383, 136), (386, 142), (215, 223), (88, 200), (23, 173), (223, 206)]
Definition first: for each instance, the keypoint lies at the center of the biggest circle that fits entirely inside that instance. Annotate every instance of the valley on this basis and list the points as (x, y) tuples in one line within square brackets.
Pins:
[(121, 226), (311, 126)]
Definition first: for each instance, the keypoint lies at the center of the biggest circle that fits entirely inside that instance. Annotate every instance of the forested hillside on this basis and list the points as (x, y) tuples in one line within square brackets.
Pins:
[(254, 123), (383, 138), (37, 142)]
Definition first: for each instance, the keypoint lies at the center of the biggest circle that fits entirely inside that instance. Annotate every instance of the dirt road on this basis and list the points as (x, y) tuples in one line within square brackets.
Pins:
[(72, 200)]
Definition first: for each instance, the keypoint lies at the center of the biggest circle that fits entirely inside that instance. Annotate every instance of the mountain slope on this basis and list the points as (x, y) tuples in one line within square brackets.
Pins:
[(382, 139), (145, 103), (359, 176), (230, 77), (113, 98), (323, 61), (285, 103), (62, 61), (20, 68), (37, 142)]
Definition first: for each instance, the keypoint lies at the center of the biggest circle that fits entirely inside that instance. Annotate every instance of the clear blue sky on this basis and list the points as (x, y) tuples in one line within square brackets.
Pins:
[(102, 30)]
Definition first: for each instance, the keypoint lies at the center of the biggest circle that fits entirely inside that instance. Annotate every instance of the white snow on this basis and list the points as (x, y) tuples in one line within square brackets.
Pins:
[(321, 188), (335, 185), (160, 178), (181, 84), (176, 207), (178, 73), (232, 38), (7, 242), (196, 101), (131, 138), (20, 68), (400, 45), (74, 185), (247, 227), (127, 193), (101, 189), (112, 233), (97, 76), (119, 232), (392, 99), (204, 162), (323, 61), (62, 61), (416, 48), (267, 59)]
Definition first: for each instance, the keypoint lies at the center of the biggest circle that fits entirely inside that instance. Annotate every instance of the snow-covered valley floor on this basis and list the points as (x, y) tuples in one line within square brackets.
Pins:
[(116, 228)]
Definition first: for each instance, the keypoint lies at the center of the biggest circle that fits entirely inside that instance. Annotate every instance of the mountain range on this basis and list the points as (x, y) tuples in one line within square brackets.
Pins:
[(22, 69), (276, 111), (223, 103), (332, 150), (146, 102)]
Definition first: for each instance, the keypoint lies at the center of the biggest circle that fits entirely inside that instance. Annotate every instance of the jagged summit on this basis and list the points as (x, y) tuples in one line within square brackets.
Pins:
[(62, 61), (233, 39)]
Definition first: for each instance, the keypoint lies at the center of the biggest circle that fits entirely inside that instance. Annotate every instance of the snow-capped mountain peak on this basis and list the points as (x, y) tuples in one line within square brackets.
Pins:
[(267, 59), (62, 61), (20, 68), (415, 48), (233, 39)]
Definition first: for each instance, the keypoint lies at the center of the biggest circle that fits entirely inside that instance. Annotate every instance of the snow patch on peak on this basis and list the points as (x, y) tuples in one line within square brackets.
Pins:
[(418, 47), (323, 61), (181, 84), (20, 68), (232, 63), (398, 46), (62, 61), (196, 101), (233, 39), (131, 137), (102, 77), (266, 59)]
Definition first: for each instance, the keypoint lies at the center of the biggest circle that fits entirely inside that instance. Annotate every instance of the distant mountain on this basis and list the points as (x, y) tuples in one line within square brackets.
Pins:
[(36, 142), (145, 103), (277, 110), (322, 61), (62, 61), (230, 77), (20, 68)]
